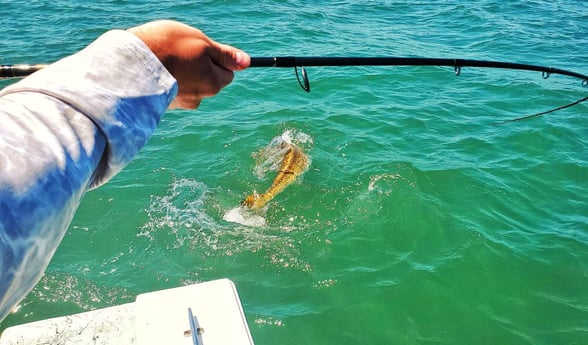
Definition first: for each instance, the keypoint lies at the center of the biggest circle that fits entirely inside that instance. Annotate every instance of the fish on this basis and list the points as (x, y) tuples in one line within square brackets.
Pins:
[(295, 163)]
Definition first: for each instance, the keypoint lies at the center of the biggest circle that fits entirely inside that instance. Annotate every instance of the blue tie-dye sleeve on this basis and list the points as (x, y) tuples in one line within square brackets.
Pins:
[(64, 130)]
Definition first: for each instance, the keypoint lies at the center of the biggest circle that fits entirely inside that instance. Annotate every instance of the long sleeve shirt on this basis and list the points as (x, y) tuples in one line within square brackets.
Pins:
[(64, 130)]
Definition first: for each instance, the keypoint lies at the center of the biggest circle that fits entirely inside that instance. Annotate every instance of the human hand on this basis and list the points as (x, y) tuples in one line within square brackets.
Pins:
[(201, 66)]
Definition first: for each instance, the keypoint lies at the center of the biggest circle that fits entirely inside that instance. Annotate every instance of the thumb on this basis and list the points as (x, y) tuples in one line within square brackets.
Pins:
[(228, 57)]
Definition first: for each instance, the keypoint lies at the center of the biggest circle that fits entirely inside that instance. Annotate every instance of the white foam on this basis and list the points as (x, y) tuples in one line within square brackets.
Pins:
[(242, 216), (293, 136)]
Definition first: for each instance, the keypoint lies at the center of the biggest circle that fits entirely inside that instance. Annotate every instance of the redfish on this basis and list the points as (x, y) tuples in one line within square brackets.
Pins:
[(295, 162)]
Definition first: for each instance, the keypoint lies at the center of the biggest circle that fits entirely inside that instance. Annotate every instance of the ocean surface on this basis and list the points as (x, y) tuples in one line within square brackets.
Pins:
[(419, 220)]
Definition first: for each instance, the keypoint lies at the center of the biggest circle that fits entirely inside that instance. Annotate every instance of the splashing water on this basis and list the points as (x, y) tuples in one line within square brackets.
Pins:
[(245, 217), (268, 159), (181, 210), (183, 218), (184, 229)]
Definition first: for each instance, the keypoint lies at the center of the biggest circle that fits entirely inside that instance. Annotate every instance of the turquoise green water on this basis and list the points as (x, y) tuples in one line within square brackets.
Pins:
[(418, 221)]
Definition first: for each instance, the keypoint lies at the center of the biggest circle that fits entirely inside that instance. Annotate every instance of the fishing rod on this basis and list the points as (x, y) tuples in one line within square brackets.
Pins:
[(19, 71), (22, 70), (457, 64)]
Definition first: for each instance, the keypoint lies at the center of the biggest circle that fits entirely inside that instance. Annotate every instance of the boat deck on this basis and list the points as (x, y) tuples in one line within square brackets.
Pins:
[(207, 313)]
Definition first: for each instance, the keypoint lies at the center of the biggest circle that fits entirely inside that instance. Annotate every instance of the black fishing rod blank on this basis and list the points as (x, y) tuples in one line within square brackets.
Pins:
[(19, 71), (457, 64), (22, 70)]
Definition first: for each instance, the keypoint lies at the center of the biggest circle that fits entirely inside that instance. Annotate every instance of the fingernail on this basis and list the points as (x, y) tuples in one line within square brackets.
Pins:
[(241, 59)]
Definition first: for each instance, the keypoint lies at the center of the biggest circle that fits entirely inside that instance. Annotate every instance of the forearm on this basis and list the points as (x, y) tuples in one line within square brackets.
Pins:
[(117, 83), (67, 128)]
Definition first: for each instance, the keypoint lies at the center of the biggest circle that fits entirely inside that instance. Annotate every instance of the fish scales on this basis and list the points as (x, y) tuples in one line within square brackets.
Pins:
[(295, 162)]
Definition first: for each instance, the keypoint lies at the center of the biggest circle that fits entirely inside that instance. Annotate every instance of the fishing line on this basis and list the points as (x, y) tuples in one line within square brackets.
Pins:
[(543, 112), (296, 62)]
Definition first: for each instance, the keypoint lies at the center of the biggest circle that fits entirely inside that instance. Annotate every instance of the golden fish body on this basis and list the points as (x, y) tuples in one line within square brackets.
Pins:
[(295, 162)]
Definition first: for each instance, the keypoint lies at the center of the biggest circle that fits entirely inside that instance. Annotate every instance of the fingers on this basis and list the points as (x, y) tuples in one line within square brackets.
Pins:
[(205, 75), (213, 78), (197, 79), (201, 66), (228, 57)]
